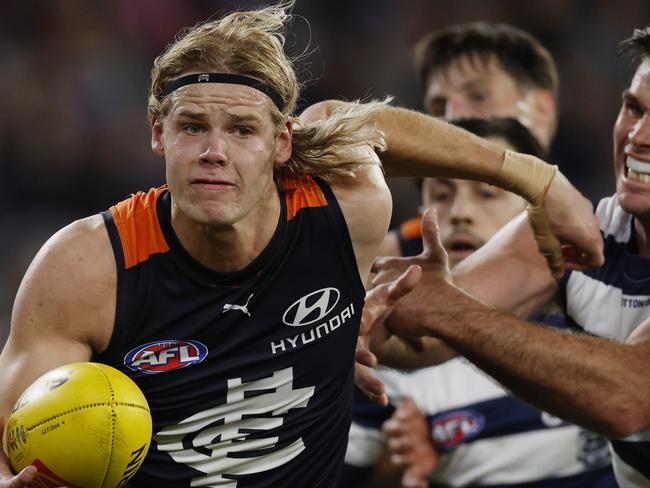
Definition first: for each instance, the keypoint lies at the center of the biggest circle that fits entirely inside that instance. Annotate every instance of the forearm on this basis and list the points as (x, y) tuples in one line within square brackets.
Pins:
[(420, 145), (599, 384), (508, 272), (397, 353)]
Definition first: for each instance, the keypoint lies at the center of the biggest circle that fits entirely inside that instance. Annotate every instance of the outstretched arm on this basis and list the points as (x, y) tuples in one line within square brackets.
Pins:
[(599, 384), (508, 272), (420, 145)]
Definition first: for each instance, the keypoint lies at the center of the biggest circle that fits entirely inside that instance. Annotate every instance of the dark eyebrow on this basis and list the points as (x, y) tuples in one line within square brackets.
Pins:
[(629, 97)]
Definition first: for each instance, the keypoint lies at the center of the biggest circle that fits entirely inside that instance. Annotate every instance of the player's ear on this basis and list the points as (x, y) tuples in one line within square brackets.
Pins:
[(545, 114), (157, 145), (284, 143)]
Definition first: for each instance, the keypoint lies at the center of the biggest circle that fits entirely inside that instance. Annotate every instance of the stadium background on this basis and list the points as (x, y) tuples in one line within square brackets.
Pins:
[(73, 132)]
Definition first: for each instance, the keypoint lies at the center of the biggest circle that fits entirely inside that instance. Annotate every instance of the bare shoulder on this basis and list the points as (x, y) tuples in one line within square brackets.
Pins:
[(366, 203), (68, 292), (64, 309)]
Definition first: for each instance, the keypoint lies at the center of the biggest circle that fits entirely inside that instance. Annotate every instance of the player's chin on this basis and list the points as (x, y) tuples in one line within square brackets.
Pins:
[(456, 256), (635, 200), (215, 215)]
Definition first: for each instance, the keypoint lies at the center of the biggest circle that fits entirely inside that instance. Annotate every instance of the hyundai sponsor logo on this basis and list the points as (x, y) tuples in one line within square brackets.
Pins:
[(167, 355), (311, 308)]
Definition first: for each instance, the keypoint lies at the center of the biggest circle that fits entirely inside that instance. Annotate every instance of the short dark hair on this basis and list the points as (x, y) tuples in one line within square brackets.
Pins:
[(636, 47), (521, 55), (513, 131)]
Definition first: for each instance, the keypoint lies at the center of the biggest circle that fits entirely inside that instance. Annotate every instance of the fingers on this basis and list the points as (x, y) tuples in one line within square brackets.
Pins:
[(431, 242), (363, 355), (409, 445), (415, 343), (548, 244), (412, 479), (575, 259), (404, 284), (572, 220), (369, 385), (407, 409), (9, 480), (22, 479), (388, 268), (381, 299)]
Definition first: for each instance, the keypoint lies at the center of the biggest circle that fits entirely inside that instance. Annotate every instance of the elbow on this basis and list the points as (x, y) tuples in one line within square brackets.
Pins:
[(321, 110)]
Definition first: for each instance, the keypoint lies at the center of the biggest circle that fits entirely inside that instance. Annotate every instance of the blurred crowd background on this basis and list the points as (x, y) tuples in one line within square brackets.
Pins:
[(74, 82)]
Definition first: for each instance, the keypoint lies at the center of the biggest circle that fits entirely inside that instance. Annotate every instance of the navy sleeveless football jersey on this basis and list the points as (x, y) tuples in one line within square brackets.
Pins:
[(249, 375), (611, 302)]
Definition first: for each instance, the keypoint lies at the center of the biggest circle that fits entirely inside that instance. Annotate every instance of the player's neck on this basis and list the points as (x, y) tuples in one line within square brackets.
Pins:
[(227, 249), (642, 230)]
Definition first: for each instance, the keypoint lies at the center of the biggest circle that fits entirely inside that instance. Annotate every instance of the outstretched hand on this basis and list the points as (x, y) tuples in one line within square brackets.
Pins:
[(571, 219), (406, 319), (379, 303), (409, 443), (395, 307)]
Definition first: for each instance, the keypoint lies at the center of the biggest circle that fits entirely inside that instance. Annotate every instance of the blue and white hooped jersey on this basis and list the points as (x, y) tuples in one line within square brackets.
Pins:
[(485, 436), (611, 302), (249, 375)]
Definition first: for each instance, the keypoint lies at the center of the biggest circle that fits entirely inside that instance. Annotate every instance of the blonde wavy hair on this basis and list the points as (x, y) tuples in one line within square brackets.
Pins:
[(251, 43)]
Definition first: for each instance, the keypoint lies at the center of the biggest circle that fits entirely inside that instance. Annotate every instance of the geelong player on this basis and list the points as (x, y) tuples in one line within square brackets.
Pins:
[(597, 379)]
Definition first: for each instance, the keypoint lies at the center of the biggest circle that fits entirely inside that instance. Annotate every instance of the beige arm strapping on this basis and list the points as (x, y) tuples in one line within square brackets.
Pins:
[(526, 175), (531, 178)]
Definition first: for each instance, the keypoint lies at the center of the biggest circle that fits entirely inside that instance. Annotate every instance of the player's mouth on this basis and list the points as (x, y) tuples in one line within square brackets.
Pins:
[(461, 245), (212, 183), (637, 170)]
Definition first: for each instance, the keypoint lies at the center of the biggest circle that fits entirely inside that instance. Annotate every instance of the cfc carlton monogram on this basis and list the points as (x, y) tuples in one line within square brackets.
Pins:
[(216, 441)]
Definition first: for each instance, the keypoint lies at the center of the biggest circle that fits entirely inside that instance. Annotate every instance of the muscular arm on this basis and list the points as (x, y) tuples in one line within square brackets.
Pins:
[(508, 272), (590, 381), (420, 145), (449, 151), (63, 311)]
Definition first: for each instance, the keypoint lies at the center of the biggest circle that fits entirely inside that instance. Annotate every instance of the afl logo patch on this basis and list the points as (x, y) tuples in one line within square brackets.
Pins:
[(163, 356), (311, 308), (453, 428)]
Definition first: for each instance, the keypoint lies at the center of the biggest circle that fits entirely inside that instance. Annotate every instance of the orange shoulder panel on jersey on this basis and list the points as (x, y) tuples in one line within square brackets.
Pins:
[(412, 228), (137, 224), (301, 192)]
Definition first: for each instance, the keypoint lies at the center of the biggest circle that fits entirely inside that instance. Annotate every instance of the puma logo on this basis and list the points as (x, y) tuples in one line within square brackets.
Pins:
[(241, 308)]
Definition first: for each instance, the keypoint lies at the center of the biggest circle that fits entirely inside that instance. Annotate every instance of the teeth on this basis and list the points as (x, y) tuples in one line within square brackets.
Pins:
[(633, 175), (637, 166)]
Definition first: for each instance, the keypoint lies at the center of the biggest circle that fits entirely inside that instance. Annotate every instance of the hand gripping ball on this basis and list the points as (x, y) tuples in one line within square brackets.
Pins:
[(83, 425)]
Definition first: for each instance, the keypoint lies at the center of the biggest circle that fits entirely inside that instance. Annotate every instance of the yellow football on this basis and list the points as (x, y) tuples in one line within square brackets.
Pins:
[(84, 425)]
